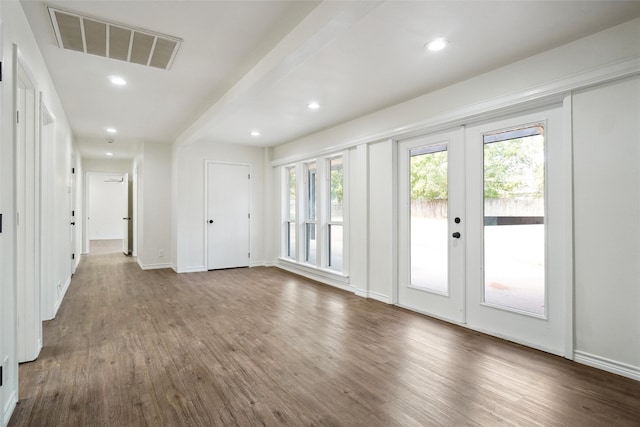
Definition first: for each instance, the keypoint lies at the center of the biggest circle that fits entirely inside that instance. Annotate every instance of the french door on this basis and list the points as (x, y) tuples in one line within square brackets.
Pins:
[(431, 200), (483, 238)]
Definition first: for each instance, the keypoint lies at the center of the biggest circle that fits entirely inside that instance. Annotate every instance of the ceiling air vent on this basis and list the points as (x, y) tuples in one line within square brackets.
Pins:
[(110, 40)]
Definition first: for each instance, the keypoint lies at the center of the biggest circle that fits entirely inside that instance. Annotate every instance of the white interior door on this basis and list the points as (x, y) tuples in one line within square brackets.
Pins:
[(228, 211), (431, 199), (484, 228), (126, 219)]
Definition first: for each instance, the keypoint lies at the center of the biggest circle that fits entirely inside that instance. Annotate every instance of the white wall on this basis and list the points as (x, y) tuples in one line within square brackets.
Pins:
[(106, 206), (606, 140), (16, 30), (190, 200), (382, 208), (154, 208), (607, 340)]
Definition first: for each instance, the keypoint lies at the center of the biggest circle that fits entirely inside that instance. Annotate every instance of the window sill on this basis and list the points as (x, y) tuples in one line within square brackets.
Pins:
[(324, 275)]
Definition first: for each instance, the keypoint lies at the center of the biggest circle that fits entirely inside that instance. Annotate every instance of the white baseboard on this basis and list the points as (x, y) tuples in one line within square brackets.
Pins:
[(154, 266), (608, 365), (373, 295), (379, 297), (61, 296), (9, 407), (259, 264), (197, 269)]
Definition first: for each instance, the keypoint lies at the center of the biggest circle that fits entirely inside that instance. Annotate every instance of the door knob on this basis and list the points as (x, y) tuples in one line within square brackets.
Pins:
[(456, 235), (73, 223), (210, 221)]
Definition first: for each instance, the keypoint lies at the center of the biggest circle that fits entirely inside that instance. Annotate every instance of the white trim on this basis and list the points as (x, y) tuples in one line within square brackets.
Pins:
[(322, 276), (567, 128), (153, 266), (374, 295), (196, 269), (540, 95), (61, 296), (10, 407), (606, 364)]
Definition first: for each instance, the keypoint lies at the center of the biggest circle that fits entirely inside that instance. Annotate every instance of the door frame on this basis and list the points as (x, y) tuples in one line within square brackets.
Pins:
[(26, 199), (206, 206), (86, 203), (564, 101)]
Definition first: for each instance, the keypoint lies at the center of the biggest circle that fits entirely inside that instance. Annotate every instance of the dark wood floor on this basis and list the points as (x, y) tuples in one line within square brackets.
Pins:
[(263, 347)]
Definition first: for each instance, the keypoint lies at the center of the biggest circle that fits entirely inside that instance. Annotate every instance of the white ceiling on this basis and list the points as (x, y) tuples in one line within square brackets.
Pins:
[(255, 65)]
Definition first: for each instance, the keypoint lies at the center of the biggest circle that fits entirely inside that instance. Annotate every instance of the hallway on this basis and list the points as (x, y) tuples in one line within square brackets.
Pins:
[(260, 346)]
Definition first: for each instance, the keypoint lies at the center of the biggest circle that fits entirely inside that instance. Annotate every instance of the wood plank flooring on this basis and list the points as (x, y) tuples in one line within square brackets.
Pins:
[(259, 346)]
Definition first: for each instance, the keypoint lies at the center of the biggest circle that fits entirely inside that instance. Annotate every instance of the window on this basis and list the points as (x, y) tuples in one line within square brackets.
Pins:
[(290, 213), (320, 209), (311, 221), (335, 240)]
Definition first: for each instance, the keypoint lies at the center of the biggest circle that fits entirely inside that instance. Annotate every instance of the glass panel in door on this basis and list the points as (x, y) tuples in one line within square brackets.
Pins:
[(429, 196), (514, 230)]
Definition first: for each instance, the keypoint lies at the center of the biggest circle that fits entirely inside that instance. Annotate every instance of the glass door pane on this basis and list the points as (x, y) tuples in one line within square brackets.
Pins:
[(429, 218), (514, 230)]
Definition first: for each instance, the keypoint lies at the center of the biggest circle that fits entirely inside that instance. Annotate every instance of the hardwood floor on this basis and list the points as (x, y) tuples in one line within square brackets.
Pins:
[(101, 247), (263, 347)]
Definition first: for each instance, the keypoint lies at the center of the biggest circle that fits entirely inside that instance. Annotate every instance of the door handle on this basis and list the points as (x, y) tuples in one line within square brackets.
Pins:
[(210, 221), (456, 235), (126, 218), (73, 223)]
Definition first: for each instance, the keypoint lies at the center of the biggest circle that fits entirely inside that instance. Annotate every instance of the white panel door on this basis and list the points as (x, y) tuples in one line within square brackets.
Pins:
[(431, 225), (228, 193)]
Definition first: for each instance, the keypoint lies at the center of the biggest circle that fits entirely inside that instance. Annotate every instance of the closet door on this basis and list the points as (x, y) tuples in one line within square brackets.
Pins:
[(228, 195)]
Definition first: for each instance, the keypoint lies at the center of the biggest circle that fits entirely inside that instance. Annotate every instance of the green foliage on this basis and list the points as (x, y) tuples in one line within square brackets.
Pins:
[(429, 176), (337, 185), (514, 169)]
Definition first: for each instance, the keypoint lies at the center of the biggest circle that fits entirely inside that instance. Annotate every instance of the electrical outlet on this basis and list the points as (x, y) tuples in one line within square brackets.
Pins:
[(161, 253)]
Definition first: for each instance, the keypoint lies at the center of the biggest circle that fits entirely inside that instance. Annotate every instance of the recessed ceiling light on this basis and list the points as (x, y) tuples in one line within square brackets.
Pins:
[(437, 44), (313, 105), (255, 133), (109, 154), (111, 130), (118, 81)]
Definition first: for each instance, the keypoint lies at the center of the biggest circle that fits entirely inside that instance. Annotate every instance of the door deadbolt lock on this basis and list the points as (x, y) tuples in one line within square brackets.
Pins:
[(210, 221)]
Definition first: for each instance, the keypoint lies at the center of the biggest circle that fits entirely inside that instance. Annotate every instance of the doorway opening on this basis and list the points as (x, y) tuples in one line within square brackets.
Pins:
[(108, 216)]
